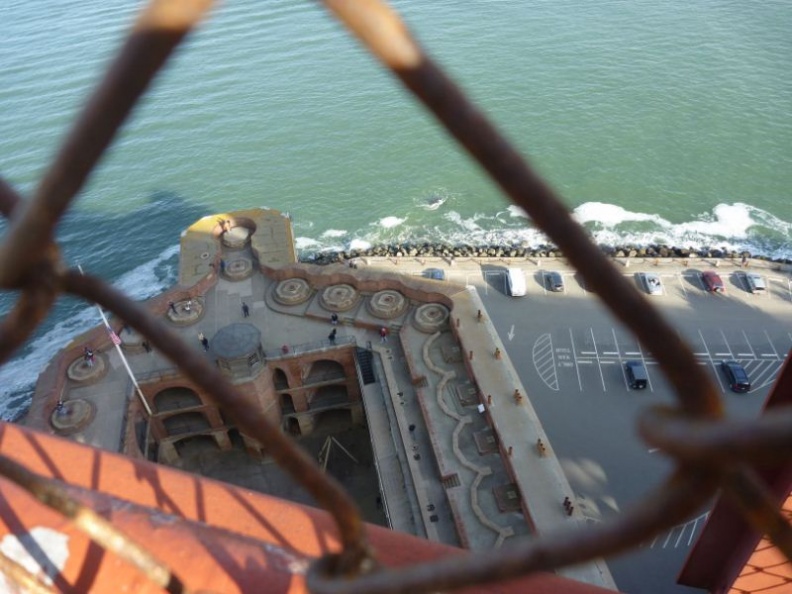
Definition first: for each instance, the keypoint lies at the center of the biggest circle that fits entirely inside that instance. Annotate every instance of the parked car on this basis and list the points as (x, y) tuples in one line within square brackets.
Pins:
[(651, 283), (637, 378), (554, 280), (712, 282), (435, 273), (755, 283), (515, 282), (736, 376)]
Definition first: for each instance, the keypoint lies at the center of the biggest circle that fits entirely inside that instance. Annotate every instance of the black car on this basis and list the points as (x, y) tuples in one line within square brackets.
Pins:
[(555, 282), (434, 273), (636, 375), (736, 376)]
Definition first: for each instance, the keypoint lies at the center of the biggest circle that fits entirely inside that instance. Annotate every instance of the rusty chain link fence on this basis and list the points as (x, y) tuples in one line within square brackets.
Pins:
[(693, 432)]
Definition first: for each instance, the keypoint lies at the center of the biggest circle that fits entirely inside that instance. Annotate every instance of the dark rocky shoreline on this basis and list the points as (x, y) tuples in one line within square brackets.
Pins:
[(444, 250)]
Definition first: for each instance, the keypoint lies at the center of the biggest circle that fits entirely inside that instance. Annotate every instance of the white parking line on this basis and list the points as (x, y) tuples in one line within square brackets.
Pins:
[(599, 365), (717, 375), (621, 363), (757, 378), (574, 356), (770, 342), (681, 284), (726, 342), (643, 360)]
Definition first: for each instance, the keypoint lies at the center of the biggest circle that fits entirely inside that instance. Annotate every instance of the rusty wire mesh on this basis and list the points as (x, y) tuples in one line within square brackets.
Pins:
[(710, 453)]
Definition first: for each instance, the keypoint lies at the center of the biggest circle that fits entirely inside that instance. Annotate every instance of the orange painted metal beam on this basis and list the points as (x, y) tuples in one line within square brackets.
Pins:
[(215, 537)]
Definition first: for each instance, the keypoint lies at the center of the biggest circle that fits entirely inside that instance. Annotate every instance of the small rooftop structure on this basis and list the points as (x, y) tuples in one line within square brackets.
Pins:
[(238, 350)]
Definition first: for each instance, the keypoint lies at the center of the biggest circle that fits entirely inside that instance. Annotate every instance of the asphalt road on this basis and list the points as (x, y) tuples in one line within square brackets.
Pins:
[(570, 353)]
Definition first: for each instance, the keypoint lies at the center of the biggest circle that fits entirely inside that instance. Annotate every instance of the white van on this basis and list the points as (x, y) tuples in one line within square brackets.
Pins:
[(515, 282)]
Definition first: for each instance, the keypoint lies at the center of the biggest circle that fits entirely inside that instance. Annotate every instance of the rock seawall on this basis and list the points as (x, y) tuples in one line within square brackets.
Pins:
[(444, 250)]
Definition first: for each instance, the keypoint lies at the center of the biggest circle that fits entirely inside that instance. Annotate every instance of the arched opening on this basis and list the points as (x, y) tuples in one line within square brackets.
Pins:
[(176, 398), (329, 396), (191, 422), (236, 439), (195, 446), (280, 380), (333, 421), (325, 370), (287, 404), (293, 426)]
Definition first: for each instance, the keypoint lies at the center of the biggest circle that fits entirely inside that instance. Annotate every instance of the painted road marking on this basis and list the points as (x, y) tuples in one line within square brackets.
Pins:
[(717, 375), (599, 364), (574, 354), (726, 342), (772, 346), (680, 530), (621, 363), (544, 361)]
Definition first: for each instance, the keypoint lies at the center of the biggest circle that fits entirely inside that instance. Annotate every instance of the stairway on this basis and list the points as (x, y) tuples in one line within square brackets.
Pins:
[(366, 368)]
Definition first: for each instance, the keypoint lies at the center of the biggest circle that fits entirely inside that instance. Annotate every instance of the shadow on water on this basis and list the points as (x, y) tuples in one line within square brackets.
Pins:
[(136, 251)]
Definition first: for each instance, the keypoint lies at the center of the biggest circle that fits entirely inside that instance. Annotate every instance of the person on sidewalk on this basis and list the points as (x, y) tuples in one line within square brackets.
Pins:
[(88, 356), (245, 309), (204, 341), (332, 336), (384, 334), (334, 319)]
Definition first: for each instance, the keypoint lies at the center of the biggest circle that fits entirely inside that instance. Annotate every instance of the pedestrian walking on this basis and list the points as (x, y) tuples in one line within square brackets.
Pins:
[(332, 336), (88, 356), (245, 309), (204, 341), (334, 319), (384, 334), (222, 266), (188, 306), (146, 346)]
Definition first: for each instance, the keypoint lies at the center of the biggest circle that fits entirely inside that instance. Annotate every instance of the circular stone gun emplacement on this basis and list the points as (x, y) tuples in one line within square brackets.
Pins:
[(186, 312)]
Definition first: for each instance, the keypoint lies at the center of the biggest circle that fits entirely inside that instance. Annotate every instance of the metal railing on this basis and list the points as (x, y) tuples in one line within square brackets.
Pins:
[(30, 263)]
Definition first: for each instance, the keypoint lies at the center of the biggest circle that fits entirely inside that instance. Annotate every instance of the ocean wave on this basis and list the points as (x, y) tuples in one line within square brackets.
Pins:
[(18, 376), (333, 233), (390, 222), (734, 227)]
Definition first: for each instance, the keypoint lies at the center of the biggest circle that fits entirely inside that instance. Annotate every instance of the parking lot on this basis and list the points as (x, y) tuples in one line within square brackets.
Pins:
[(570, 354)]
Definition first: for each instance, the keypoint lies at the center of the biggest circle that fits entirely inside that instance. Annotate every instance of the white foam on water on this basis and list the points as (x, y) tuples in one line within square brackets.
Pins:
[(333, 233), (735, 226), (359, 244), (20, 374), (303, 243), (610, 214), (390, 222), (727, 220)]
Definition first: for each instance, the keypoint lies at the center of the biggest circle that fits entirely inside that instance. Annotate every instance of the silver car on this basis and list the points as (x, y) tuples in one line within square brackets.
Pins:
[(651, 283), (755, 283)]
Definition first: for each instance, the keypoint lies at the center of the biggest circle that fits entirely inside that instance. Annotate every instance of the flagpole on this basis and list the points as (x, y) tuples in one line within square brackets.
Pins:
[(117, 344)]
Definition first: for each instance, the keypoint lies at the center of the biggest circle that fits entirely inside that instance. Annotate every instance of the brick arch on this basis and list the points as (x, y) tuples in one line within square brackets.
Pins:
[(175, 398), (188, 422), (287, 404), (280, 379), (324, 368), (334, 418), (195, 443), (336, 394)]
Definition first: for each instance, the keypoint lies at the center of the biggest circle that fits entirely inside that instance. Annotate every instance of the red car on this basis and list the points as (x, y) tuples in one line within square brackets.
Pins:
[(712, 282)]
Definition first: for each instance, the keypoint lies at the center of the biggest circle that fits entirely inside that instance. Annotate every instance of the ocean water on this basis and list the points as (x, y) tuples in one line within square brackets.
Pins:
[(658, 122)]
